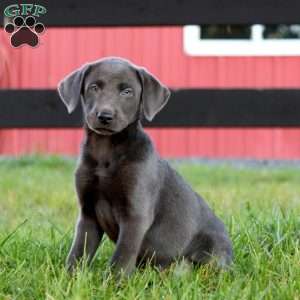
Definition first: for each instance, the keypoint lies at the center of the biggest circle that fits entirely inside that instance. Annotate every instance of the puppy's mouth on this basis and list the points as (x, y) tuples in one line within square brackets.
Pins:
[(101, 130), (104, 130)]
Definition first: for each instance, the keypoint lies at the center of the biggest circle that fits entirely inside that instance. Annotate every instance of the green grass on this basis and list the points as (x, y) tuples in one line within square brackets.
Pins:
[(261, 209)]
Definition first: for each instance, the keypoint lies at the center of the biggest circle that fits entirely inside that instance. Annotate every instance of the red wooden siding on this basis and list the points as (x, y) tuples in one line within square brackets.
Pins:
[(161, 51)]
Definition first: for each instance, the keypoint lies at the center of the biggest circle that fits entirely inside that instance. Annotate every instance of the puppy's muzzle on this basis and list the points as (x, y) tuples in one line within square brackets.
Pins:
[(105, 117)]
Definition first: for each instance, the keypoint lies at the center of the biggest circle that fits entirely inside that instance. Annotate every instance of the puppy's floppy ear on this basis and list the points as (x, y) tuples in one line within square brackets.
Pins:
[(69, 88), (155, 95)]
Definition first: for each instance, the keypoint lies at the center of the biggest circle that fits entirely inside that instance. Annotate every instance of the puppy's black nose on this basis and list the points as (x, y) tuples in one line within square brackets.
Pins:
[(105, 117)]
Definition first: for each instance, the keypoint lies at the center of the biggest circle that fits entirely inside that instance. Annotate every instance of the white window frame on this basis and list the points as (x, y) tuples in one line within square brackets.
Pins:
[(255, 46)]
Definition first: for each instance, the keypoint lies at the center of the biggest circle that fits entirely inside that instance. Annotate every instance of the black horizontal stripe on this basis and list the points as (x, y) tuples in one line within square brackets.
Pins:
[(166, 12), (186, 108)]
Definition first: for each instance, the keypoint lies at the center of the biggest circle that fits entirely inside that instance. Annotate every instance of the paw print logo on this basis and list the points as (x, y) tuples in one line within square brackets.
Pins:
[(24, 31)]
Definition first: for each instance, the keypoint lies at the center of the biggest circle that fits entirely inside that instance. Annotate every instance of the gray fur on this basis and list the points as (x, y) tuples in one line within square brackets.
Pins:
[(124, 188)]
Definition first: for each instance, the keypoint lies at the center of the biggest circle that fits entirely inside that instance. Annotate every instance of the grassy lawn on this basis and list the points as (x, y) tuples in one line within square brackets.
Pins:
[(261, 208)]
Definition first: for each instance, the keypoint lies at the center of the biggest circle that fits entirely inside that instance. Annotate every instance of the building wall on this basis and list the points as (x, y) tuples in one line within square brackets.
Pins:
[(161, 51)]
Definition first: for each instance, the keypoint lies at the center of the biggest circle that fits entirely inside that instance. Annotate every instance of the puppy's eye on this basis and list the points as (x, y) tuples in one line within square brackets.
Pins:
[(93, 87), (126, 92)]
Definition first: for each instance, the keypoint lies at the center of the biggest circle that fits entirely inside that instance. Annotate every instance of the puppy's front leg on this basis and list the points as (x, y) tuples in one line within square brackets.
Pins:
[(132, 232), (88, 235)]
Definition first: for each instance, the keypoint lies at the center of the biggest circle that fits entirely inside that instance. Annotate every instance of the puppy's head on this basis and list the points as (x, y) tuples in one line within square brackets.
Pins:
[(113, 92)]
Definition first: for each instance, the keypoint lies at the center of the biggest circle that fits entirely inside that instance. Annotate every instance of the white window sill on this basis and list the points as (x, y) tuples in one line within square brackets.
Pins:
[(256, 46)]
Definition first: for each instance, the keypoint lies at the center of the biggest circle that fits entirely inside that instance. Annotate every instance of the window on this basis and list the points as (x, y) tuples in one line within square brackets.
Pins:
[(242, 40)]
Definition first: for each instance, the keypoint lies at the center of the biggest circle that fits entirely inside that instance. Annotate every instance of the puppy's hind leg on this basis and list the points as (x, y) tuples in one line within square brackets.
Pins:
[(210, 247), (222, 250)]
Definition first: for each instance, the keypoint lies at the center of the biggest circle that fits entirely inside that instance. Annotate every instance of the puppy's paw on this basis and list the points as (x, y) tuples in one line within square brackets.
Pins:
[(182, 268), (221, 262), (70, 268)]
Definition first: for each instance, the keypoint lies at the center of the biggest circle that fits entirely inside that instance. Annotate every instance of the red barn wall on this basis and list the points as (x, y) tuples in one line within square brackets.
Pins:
[(161, 51)]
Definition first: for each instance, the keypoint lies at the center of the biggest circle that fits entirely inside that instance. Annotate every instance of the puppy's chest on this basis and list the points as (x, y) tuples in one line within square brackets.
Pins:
[(106, 168), (111, 164), (111, 193), (108, 161), (109, 175)]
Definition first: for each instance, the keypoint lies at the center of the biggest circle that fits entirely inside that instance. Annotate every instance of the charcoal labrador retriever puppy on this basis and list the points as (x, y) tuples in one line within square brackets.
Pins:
[(124, 188)]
